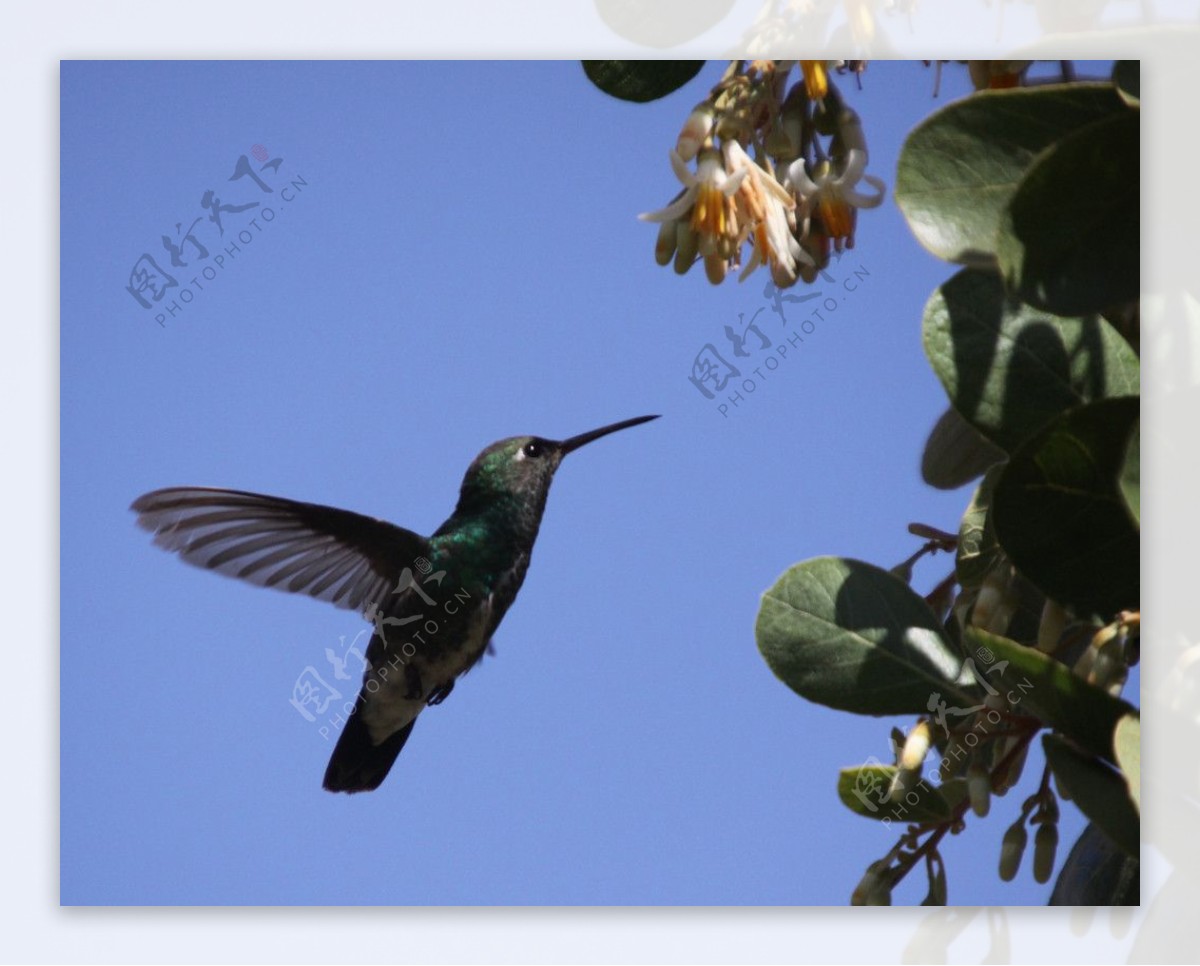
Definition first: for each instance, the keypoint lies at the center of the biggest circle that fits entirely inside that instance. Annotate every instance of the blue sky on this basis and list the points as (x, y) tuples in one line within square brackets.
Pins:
[(460, 261)]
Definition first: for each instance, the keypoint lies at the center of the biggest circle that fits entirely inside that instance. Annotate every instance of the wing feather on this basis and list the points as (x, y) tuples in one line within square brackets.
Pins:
[(348, 559)]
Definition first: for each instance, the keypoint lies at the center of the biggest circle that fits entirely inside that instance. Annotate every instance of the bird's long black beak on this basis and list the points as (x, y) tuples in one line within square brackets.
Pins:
[(568, 445)]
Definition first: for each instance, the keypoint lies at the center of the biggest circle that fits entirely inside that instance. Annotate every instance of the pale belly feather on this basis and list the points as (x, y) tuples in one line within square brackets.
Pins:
[(390, 701)]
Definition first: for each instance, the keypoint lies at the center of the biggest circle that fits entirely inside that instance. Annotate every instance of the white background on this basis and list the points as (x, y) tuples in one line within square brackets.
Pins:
[(36, 929)]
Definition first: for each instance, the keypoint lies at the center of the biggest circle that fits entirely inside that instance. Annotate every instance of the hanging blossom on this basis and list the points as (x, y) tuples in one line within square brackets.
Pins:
[(830, 199), (704, 216), (790, 205), (764, 209)]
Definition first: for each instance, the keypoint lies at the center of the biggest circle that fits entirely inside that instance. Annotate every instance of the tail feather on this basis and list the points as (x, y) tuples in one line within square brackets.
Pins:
[(357, 763)]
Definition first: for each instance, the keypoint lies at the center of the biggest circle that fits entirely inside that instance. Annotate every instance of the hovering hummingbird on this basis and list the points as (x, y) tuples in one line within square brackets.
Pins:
[(477, 560)]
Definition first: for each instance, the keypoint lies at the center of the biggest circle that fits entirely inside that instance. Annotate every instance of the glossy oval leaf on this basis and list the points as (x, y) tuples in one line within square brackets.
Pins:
[(1034, 683), (1009, 369), (864, 790), (1098, 790), (977, 552), (851, 636), (1069, 241), (956, 453), (1127, 746), (1060, 516), (959, 168), (641, 80)]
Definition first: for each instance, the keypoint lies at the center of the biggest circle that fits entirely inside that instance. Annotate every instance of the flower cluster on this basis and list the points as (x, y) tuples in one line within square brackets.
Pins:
[(793, 203)]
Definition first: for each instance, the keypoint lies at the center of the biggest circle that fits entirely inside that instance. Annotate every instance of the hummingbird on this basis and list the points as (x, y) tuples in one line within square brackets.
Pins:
[(434, 602)]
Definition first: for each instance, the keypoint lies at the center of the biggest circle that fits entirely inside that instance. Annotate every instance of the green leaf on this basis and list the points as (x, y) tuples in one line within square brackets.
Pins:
[(640, 80), (1069, 242), (1127, 746), (1131, 474), (851, 636), (956, 453), (1035, 684), (1127, 75), (959, 168), (1059, 514), (864, 791), (1009, 369), (1097, 873), (977, 551), (1098, 790)]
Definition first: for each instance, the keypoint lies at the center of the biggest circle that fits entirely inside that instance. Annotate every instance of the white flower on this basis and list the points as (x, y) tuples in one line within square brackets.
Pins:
[(762, 206), (834, 198), (706, 207), (707, 194)]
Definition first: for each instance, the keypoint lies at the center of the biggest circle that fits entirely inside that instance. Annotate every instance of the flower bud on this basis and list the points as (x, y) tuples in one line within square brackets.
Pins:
[(1045, 843), (664, 245), (687, 244), (1083, 666), (715, 267), (850, 131), (874, 888), (937, 891), (1054, 619), (1107, 666), (979, 789), (695, 131), (993, 606), (730, 126), (1011, 849), (916, 747), (980, 72), (1012, 771)]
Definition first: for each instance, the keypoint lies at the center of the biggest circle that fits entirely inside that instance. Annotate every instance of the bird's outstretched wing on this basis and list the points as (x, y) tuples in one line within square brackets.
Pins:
[(348, 559)]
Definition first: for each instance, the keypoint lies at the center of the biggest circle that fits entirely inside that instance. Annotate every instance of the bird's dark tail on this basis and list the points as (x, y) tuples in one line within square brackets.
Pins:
[(357, 763)]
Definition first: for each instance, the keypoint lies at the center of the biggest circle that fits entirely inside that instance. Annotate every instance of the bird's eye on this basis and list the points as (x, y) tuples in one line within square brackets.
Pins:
[(532, 450)]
